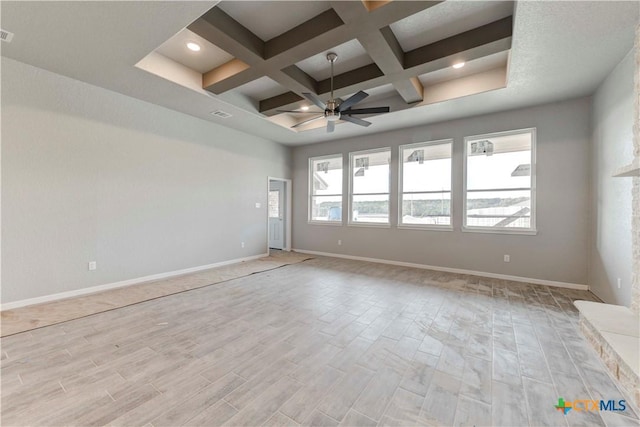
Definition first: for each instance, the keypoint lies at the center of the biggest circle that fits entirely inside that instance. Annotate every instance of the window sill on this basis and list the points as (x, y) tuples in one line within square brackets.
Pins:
[(369, 225), (425, 227), (331, 223), (487, 230)]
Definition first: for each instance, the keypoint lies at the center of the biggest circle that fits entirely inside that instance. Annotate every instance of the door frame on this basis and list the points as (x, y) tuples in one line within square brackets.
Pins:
[(287, 222)]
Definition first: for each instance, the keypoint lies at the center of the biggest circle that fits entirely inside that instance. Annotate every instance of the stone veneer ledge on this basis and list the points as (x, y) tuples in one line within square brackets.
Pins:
[(614, 332)]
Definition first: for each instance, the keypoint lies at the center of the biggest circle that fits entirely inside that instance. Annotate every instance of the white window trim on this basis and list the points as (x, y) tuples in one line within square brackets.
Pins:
[(425, 227), (400, 225), (501, 230), (310, 194), (351, 223)]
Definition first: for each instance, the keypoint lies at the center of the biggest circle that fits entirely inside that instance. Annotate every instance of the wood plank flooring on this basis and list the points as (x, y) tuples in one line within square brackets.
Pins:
[(36, 316), (327, 342)]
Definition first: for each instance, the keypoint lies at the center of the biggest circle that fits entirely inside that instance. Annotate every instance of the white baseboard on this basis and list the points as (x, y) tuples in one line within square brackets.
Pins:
[(108, 286), (453, 270)]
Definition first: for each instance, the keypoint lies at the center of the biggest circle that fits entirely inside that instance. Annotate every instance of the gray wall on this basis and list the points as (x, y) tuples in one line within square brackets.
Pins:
[(89, 174), (558, 252), (612, 148)]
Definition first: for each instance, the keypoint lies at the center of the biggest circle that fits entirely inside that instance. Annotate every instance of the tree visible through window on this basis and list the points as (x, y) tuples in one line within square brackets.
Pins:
[(425, 184), (325, 188), (370, 186), (500, 184)]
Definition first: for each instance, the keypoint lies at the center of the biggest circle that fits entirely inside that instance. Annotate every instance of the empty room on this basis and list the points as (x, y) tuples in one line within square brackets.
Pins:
[(320, 213)]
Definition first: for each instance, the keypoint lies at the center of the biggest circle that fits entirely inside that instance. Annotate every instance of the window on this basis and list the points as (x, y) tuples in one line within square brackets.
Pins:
[(425, 185), (500, 182), (325, 189), (369, 187), (274, 203)]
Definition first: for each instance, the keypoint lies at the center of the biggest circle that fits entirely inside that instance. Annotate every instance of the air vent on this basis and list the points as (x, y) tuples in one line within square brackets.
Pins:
[(221, 114), (6, 36)]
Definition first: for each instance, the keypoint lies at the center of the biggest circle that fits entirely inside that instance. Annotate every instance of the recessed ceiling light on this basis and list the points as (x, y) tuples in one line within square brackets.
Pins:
[(458, 65), (304, 107), (193, 46)]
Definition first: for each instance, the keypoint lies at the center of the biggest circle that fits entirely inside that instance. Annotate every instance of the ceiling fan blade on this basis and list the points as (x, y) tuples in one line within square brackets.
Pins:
[(307, 121), (353, 100), (314, 98), (373, 110), (298, 112), (330, 126), (355, 120)]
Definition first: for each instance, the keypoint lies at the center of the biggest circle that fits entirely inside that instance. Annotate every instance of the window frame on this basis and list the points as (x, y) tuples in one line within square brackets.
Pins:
[(532, 230), (350, 222), (311, 195), (432, 227)]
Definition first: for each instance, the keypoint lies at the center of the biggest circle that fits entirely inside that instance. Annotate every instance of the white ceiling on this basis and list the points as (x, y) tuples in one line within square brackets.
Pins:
[(479, 65), (560, 50), (351, 55), (261, 88), (268, 19), (447, 19), (209, 56)]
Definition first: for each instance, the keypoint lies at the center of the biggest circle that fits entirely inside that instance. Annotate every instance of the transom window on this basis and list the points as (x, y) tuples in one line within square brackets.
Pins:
[(425, 185), (325, 189), (369, 179), (500, 182)]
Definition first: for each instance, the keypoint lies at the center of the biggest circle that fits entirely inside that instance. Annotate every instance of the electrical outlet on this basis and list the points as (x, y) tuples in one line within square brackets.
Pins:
[(258, 205), (242, 244), (507, 258), (92, 265), (339, 242), (619, 283)]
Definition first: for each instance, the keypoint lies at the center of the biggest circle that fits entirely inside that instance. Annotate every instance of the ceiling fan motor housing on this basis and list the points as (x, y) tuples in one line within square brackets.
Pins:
[(331, 113)]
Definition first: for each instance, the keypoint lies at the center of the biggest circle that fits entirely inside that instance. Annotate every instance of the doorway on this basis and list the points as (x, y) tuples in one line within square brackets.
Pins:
[(279, 214)]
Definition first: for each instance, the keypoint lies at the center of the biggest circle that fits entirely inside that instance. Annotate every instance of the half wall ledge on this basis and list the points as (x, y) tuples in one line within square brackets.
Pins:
[(614, 332)]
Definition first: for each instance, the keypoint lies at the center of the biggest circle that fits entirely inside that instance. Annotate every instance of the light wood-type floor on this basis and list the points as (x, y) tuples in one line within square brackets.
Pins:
[(50, 313), (325, 342)]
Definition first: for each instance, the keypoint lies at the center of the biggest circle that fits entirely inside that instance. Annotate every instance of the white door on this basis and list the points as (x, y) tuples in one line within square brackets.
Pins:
[(276, 214)]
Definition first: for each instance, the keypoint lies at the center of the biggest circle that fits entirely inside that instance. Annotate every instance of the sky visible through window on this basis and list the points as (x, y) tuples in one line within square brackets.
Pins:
[(499, 183), (326, 197), (498, 186), (426, 184)]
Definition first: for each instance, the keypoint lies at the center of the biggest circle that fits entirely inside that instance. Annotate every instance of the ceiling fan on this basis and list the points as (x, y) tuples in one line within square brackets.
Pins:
[(335, 110)]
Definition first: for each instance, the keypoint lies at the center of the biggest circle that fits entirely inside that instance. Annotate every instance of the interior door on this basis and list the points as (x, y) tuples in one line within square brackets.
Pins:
[(276, 215)]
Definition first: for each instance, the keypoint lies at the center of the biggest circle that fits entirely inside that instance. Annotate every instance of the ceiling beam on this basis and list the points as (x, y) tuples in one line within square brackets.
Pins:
[(351, 79), (381, 45), (274, 103), (366, 21), (314, 27), (484, 35), (274, 57), (229, 74), (411, 90), (473, 44), (263, 58), (229, 35)]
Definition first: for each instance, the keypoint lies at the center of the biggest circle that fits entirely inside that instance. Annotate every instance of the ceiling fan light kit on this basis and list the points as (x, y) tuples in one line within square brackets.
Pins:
[(335, 110)]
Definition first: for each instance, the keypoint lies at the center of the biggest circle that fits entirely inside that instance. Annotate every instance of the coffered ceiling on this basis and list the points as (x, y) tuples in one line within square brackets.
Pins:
[(256, 58), (274, 52)]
